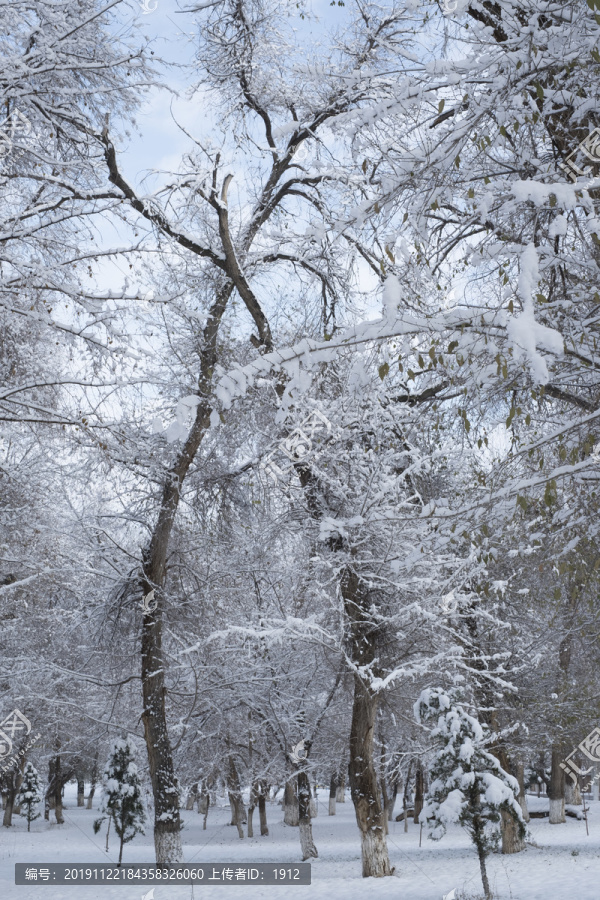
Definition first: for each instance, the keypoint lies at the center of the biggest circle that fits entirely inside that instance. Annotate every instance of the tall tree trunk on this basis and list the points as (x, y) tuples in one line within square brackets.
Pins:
[(418, 792), (361, 770), (556, 788), (332, 792), (340, 793), (309, 851), (290, 803), (363, 783), (167, 821)]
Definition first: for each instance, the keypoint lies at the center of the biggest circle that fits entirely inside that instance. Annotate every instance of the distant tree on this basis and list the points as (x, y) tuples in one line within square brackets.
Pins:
[(468, 785), (121, 795)]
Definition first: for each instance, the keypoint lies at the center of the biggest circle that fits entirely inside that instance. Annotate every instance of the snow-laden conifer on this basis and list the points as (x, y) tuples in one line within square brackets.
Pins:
[(30, 794), (121, 794), (467, 783)]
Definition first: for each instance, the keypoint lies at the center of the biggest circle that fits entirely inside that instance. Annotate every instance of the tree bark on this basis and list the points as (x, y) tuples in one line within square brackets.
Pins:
[(251, 808), (572, 793), (80, 791), (262, 808), (167, 821), (363, 783), (307, 846), (8, 809), (556, 788), (392, 801), (94, 778), (522, 793), (385, 803), (482, 869), (290, 804), (238, 812), (370, 817), (511, 842), (340, 793), (332, 792), (418, 793), (192, 797)]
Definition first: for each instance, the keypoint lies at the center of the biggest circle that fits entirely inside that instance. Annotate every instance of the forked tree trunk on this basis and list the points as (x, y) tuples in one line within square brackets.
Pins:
[(556, 788), (307, 846), (290, 803), (167, 821), (332, 791)]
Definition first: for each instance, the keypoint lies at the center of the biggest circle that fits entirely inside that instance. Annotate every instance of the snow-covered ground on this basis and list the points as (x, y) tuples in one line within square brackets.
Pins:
[(564, 862)]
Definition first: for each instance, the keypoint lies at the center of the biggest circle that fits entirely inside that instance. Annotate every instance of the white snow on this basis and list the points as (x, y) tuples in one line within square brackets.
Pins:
[(563, 862)]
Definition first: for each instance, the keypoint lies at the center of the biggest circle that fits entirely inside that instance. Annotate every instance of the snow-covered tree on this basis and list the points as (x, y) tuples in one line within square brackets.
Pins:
[(30, 794), (121, 794), (468, 785)]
